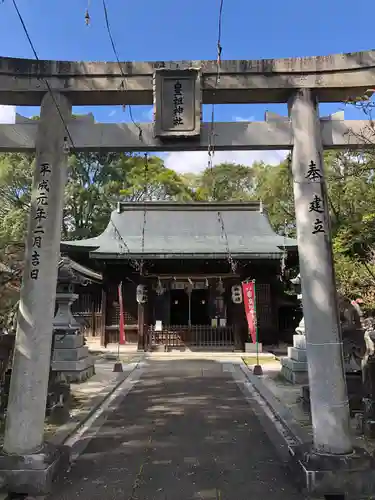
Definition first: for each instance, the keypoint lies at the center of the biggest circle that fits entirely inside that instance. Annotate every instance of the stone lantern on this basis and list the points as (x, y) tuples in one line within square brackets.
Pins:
[(64, 321), (70, 357)]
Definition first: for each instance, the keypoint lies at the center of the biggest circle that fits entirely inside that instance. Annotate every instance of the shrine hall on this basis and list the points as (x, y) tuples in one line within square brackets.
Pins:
[(187, 257)]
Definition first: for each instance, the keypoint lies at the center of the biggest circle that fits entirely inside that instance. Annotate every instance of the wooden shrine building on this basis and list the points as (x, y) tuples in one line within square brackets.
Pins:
[(182, 250)]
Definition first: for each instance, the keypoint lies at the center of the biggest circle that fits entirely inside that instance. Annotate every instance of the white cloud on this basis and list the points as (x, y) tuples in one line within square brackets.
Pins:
[(112, 113), (7, 114), (242, 119), (196, 161)]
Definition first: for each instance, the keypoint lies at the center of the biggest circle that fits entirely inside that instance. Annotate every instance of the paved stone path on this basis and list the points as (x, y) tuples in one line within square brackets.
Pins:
[(184, 432)]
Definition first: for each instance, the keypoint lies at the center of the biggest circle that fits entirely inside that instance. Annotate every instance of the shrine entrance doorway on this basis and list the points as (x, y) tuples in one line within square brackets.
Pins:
[(179, 307), (200, 307)]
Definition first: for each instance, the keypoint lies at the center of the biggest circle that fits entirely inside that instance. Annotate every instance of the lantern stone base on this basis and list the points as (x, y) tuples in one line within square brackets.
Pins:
[(75, 354), (33, 474), (74, 371), (252, 348), (71, 358), (68, 341), (352, 475), (294, 366)]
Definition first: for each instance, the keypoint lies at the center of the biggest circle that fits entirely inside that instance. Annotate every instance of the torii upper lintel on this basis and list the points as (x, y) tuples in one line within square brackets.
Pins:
[(333, 78)]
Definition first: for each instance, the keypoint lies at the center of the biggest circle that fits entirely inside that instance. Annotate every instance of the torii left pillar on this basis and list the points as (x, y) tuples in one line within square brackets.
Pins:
[(27, 463)]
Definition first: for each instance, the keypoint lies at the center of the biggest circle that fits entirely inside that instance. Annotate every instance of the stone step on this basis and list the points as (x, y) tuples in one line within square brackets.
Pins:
[(297, 354), (299, 341), (70, 354), (294, 377), (295, 366)]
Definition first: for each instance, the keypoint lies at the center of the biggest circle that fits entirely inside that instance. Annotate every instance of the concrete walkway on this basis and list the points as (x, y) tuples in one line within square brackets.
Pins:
[(184, 432)]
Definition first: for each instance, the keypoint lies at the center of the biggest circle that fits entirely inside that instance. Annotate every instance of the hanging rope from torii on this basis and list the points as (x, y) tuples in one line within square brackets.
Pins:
[(211, 147)]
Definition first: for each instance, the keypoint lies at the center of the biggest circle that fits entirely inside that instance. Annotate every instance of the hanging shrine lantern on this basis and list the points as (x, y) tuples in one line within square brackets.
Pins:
[(160, 289), (141, 294), (236, 294)]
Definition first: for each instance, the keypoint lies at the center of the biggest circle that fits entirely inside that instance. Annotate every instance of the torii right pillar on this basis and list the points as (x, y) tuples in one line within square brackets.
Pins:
[(330, 464)]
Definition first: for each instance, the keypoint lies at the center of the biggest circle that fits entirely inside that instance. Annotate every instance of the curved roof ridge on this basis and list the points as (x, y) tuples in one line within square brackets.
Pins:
[(190, 205)]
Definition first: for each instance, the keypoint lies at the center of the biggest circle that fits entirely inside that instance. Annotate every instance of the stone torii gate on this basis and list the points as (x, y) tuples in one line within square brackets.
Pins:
[(177, 90)]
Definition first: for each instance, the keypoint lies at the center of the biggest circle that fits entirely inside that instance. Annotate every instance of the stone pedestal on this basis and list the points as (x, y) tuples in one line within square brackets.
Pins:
[(33, 474), (321, 475), (294, 366), (71, 358)]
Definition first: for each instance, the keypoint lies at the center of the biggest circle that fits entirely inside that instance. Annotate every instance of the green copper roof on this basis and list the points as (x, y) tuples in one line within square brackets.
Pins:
[(185, 230)]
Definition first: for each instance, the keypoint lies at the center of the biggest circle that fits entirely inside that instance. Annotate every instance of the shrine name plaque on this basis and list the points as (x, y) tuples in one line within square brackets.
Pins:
[(177, 103)]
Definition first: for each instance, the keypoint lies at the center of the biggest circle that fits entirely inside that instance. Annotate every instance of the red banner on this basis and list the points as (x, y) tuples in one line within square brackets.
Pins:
[(248, 289), (122, 340)]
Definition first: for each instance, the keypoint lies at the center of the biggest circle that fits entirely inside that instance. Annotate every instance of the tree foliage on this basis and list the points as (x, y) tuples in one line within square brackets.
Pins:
[(274, 187), (226, 181), (96, 181), (351, 196)]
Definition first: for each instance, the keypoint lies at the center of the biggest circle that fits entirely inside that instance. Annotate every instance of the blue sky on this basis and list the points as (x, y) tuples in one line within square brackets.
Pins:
[(170, 30)]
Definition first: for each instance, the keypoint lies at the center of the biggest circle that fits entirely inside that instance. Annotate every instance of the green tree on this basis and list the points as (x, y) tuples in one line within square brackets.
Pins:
[(273, 185), (350, 181), (15, 188), (351, 197), (152, 181), (11, 267), (351, 191), (261, 182), (224, 182), (91, 180), (96, 182)]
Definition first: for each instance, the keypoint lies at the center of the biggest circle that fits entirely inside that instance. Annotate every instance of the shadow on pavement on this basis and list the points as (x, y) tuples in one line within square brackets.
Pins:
[(184, 432)]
